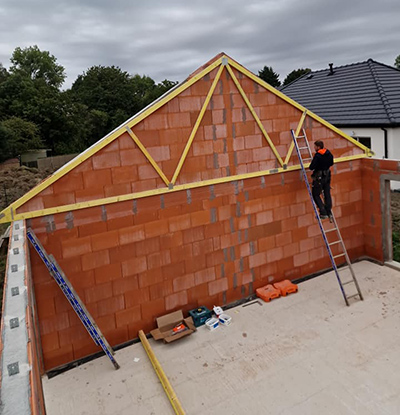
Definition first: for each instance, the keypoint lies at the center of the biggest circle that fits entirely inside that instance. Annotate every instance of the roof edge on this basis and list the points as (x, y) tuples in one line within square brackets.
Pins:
[(297, 105), (10, 210), (381, 92)]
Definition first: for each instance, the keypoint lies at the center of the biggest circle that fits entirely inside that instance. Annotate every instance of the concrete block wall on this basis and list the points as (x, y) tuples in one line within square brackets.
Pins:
[(133, 261), (20, 351)]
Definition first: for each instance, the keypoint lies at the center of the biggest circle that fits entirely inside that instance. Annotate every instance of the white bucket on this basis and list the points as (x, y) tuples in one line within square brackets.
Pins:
[(212, 323), (225, 320)]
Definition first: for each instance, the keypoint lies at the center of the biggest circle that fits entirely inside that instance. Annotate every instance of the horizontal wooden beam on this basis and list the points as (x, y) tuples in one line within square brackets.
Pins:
[(155, 192), (176, 405)]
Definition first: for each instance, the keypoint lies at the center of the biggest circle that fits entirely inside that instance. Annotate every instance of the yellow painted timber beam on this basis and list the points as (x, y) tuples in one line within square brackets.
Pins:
[(259, 123), (161, 375), (281, 95), (299, 127), (112, 136), (155, 192), (176, 92), (196, 125), (147, 155)]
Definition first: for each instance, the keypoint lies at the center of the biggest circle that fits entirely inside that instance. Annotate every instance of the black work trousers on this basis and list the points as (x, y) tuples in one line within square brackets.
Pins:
[(322, 186)]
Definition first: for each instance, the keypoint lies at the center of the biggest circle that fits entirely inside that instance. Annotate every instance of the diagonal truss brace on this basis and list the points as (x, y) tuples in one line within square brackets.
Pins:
[(147, 155), (258, 121), (196, 125), (298, 129)]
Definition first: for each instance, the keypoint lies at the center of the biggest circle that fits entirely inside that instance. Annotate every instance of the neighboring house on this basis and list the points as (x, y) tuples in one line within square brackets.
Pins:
[(30, 158), (362, 99)]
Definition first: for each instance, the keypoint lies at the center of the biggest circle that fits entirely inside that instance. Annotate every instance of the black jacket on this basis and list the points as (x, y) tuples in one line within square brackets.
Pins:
[(322, 162)]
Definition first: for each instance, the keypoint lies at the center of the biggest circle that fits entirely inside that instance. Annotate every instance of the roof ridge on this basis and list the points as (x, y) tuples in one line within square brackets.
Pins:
[(384, 64), (338, 67), (381, 92)]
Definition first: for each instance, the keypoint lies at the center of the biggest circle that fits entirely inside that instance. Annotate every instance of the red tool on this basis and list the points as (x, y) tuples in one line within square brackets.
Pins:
[(268, 293)]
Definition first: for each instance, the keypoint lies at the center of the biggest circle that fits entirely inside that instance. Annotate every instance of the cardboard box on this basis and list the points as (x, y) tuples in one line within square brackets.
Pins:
[(166, 323)]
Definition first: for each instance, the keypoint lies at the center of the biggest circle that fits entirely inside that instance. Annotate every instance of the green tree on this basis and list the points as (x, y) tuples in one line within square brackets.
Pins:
[(397, 62), (5, 138), (3, 73), (292, 76), (105, 88), (267, 74), (68, 121), (37, 65), (35, 101), (19, 135), (165, 86), (111, 96), (31, 92)]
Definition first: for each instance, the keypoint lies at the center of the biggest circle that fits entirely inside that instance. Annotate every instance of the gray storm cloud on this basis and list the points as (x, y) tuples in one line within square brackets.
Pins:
[(171, 39)]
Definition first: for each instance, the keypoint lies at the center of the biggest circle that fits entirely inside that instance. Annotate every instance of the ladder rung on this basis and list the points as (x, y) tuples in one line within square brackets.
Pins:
[(352, 296), (300, 136), (336, 242), (337, 256), (330, 230), (303, 148), (348, 282)]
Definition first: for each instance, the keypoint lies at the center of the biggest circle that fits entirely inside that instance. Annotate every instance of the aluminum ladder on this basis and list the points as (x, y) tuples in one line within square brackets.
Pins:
[(72, 297), (305, 156)]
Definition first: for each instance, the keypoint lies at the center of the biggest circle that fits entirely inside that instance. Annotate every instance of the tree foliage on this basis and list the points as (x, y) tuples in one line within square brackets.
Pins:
[(297, 73), (397, 62), (267, 74), (34, 111), (18, 136), (112, 95), (37, 65), (3, 73)]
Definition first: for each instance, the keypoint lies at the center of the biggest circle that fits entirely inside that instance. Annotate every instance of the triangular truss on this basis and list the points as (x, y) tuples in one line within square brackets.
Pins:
[(223, 63)]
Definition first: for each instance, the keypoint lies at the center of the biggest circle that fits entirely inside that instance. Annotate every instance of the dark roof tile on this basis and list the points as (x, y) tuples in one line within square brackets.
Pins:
[(365, 93)]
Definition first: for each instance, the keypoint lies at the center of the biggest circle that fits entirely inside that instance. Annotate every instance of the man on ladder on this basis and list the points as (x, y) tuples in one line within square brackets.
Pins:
[(322, 161)]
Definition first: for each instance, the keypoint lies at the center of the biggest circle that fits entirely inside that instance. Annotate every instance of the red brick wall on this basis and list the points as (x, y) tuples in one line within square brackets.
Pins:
[(132, 261), (228, 142), (135, 260)]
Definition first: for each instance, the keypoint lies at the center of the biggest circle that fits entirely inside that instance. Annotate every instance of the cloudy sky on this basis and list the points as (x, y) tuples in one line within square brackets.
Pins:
[(169, 39)]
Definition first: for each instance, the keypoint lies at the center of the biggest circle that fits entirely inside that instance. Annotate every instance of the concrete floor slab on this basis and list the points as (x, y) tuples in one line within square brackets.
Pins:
[(303, 354)]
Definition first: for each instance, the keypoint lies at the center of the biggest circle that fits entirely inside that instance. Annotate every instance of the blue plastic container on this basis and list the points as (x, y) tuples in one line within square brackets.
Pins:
[(200, 315)]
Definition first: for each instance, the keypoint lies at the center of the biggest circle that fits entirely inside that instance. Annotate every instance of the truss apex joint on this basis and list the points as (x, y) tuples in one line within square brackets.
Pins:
[(170, 186), (284, 166), (224, 61)]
